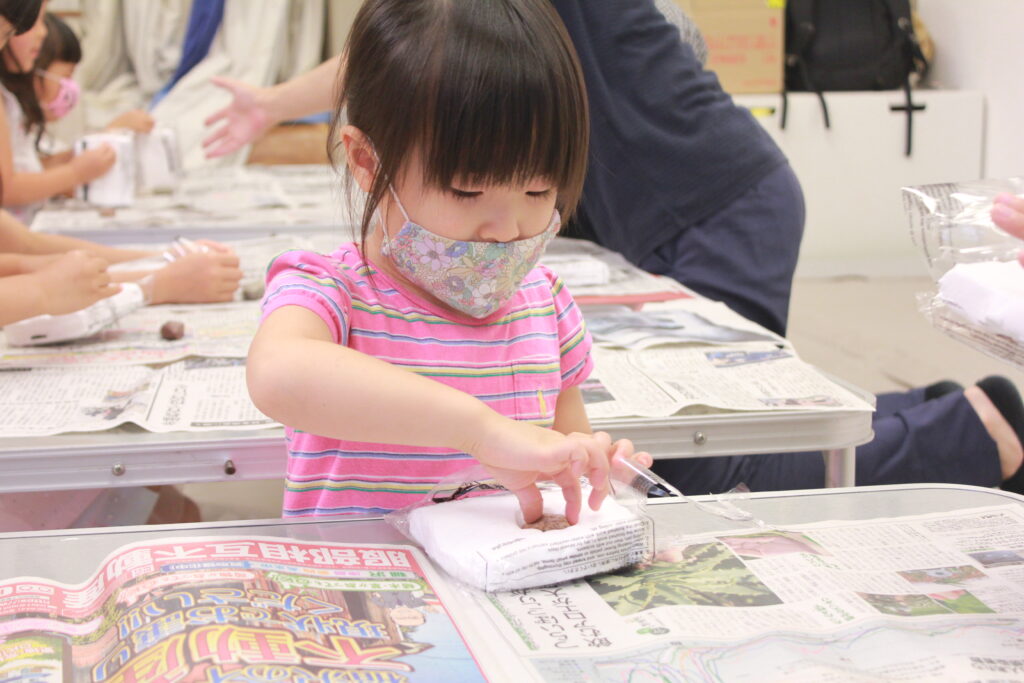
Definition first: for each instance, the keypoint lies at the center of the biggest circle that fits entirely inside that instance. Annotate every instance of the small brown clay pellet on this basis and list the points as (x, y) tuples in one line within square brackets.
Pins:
[(252, 291), (172, 329)]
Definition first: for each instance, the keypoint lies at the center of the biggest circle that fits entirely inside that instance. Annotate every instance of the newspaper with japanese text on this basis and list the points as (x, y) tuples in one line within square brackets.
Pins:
[(194, 395), (211, 330), (236, 609), (930, 597), (599, 276), (222, 197), (695, 357)]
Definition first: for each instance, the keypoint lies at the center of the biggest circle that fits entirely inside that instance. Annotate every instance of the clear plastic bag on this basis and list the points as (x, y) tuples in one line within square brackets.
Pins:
[(952, 222), (473, 528), (978, 297)]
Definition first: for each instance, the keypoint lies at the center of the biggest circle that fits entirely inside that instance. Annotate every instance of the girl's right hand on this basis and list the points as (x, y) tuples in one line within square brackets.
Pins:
[(93, 163), (75, 281), (519, 455)]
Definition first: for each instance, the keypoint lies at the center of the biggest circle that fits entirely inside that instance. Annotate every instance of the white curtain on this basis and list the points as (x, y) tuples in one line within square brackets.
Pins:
[(131, 48)]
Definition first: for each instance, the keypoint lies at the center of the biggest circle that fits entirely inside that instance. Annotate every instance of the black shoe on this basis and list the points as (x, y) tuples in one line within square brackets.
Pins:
[(1006, 399), (946, 386)]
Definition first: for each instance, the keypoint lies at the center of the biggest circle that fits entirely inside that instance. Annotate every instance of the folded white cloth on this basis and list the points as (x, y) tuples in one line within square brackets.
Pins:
[(989, 294), (479, 542)]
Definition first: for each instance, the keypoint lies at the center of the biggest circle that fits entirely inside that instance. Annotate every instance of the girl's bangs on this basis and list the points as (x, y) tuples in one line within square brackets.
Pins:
[(500, 106)]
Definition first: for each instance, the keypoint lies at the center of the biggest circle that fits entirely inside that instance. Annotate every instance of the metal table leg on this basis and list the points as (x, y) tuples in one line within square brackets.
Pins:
[(840, 467)]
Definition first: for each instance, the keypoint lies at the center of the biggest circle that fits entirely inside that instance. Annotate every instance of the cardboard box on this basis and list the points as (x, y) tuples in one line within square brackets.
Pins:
[(745, 41)]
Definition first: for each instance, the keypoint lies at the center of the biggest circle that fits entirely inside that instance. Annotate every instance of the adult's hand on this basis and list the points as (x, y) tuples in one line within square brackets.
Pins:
[(1008, 214), (243, 120)]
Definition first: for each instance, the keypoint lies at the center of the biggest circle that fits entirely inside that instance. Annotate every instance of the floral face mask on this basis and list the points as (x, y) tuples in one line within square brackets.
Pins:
[(476, 278)]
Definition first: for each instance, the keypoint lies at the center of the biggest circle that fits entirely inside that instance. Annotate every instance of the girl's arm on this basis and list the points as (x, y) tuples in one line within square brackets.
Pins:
[(570, 413), (17, 238), (209, 276), (27, 188), (68, 284), (300, 377), (55, 160)]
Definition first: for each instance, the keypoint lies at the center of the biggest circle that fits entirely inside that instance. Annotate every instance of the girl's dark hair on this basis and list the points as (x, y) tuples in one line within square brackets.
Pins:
[(21, 13), (489, 92), (61, 45)]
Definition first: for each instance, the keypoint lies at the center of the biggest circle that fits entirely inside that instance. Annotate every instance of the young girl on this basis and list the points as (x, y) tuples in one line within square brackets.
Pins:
[(436, 339)]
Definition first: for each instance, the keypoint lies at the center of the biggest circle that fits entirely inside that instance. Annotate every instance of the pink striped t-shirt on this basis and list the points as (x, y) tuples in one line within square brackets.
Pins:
[(516, 360)]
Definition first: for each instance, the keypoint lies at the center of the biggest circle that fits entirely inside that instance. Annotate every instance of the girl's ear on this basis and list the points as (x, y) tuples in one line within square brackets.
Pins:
[(360, 157)]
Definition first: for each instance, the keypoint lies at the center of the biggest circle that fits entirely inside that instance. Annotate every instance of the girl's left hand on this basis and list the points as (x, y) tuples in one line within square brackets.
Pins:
[(200, 277), (623, 450), (213, 245)]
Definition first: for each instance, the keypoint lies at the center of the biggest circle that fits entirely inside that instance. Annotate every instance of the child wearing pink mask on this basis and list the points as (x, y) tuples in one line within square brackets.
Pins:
[(37, 87), (30, 95)]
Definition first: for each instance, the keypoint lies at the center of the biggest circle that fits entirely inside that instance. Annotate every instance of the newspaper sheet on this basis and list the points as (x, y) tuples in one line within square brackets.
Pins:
[(694, 321), (236, 609), (664, 382), (596, 275), (213, 198), (696, 357), (193, 395), (935, 597), (211, 330)]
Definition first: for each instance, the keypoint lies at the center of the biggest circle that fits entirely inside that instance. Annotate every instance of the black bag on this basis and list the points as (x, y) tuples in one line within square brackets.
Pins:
[(851, 45)]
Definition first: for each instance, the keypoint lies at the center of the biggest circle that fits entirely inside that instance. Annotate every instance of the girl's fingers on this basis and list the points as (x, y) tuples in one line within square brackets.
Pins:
[(530, 502), (598, 471), (570, 485)]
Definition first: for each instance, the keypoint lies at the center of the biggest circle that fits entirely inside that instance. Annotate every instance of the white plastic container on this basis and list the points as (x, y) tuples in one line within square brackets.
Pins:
[(51, 329), (117, 186)]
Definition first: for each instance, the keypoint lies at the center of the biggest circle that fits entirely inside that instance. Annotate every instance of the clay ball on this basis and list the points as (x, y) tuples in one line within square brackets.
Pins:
[(252, 291), (172, 329), (549, 523)]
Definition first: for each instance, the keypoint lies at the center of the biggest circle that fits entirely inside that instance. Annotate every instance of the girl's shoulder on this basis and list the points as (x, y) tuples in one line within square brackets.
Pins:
[(546, 283), (340, 275), (345, 263)]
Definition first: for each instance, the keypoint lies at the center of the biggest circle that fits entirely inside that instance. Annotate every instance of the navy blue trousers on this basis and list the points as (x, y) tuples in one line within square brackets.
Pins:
[(744, 256), (941, 440)]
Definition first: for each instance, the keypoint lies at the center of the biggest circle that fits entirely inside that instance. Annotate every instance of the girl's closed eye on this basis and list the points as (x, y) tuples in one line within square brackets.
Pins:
[(540, 194), (464, 195)]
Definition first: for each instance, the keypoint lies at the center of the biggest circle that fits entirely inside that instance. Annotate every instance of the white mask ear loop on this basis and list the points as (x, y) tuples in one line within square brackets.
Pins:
[(401, 207), (386, 240)]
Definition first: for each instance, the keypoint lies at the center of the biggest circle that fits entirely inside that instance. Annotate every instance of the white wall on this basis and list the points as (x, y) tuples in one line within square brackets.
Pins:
[(980, 46)]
